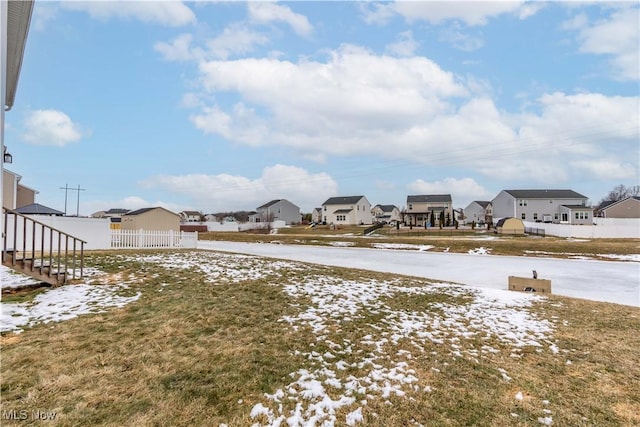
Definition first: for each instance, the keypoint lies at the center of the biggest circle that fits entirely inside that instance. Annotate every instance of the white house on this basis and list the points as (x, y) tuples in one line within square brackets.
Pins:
[(347, 210), (557, 206), (385, 214), (479, 212)]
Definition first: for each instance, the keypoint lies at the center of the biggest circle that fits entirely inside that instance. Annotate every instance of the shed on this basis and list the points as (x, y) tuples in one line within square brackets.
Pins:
[(154, 219), (510, 226)]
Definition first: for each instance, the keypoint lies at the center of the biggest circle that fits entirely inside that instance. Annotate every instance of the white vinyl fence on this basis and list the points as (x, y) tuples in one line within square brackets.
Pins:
[(148, 239)]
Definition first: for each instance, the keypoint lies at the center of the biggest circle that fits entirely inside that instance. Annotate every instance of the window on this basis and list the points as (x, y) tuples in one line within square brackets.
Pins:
[(325, 209), (522, 202), (410, 206), (341, 217), (565, 217), (535, 216), (555, 216), (523, 216)]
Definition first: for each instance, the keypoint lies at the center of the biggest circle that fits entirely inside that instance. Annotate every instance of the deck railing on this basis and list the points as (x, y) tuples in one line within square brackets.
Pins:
[(32, 246)]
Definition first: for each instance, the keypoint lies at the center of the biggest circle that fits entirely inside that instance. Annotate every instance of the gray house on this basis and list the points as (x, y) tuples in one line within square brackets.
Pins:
[(478, 211), (557, 206), (278, 210)]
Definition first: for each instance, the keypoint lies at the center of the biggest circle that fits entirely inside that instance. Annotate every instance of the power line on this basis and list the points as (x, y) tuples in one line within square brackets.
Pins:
[(66, 189)]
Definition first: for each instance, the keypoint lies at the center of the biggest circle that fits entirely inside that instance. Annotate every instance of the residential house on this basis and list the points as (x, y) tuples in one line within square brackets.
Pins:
[(211, 218), (558, 206), (114, 215), (479, 212), (153, 219), (421, 208), (277, 210), (316, 215), (626, 208), (38, 209), (14, 194), (191, 216), (347, 210), (385, 214)]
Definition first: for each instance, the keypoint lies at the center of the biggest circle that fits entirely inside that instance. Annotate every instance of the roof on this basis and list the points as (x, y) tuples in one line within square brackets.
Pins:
[(38, 209), (145, 210), (545, 194), (191, 213), (347, 200), (387, 208), (429, 198), (342, 211), (18, 20), (116, 211), (483, 203), (268, 204), (581, 207), (610, 203)]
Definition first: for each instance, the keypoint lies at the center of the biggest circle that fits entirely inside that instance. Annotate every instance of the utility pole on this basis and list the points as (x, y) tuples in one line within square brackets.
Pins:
[(66, 189)]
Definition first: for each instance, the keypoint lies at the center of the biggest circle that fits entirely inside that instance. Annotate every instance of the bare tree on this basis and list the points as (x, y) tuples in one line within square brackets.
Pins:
[(620, 192)]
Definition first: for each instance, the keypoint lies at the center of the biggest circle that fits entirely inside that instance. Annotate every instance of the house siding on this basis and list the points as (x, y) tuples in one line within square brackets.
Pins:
[(477, 213), (156, 219), (533, 209), (355, 213), (419, 212), (627, 208), (282, 210)]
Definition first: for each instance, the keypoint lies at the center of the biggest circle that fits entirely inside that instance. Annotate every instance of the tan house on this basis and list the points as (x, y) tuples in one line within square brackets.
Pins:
[(421, 208), (14, 194), (625, 208), (154, 219), (347, 210)]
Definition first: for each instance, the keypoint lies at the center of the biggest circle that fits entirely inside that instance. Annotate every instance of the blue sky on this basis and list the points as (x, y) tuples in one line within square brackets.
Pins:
[(220, 106)]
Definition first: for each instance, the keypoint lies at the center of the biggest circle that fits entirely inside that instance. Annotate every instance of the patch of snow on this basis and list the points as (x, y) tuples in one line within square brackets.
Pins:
[(630, 257), (342, 244), (479, 251), (519, 396), (547, 421), (401, 246), (62, 303)]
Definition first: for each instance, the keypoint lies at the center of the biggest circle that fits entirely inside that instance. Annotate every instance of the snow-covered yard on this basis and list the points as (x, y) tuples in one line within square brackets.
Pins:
[(368, 339)]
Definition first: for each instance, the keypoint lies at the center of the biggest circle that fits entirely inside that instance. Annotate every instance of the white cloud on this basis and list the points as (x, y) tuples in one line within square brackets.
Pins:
[(472, 13), (235, 39), (617, 37), (50, 127), (607, 169), (404, 46), (266, 12), (211, 193), (179, 49), (170, 13), (463, 191), (348, 105), (460, 40)]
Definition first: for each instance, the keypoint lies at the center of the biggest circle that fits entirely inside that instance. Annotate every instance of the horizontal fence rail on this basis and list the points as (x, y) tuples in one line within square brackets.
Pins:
[(39, 250), (150, 239)]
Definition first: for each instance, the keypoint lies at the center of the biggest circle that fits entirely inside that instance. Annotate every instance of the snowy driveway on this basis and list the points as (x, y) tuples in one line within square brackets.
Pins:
[(607, 281)]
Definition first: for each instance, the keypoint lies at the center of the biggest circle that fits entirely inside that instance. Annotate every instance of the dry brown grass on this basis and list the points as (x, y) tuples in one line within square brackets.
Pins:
[(190, 352)]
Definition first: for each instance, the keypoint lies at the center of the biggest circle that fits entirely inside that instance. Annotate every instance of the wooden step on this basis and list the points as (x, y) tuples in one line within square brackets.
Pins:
[(43, 273)]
